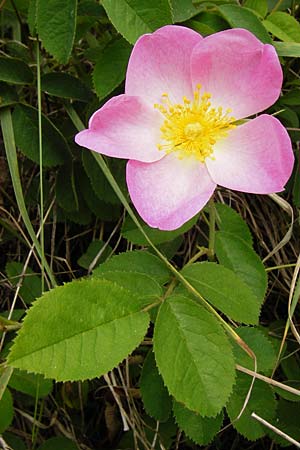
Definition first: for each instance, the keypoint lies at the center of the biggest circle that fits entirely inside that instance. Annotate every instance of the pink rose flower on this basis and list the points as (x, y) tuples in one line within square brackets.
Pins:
[(179, 123)]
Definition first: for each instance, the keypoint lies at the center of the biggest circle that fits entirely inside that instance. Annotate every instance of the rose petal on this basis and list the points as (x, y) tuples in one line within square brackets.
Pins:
[(238, 70), (160, 62), (125, 127), (169, 192), (256, 157)]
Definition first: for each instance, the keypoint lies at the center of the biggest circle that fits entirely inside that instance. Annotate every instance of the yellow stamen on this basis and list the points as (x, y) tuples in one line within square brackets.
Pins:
[(193, 127)]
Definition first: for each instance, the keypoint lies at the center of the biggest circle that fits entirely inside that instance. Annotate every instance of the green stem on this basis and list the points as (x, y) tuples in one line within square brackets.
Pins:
[(39, 95), (12, 159), (102, 164), (212, 230)]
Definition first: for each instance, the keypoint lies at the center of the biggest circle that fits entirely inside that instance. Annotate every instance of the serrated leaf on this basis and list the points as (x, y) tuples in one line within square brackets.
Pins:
[(6, 410), (25, 123), (155, 396), (94, 248), (262, 402), (16, 71), (200, 429), (287, 420), (96, 320), (132, 18), (137, 261), (261, 346), (64, 85), (193, 355), (283, 26), (235, 254), (230, 221), (240, 17), (31, 287), (133, 234), (56, 24), (34, 385), (140, 284), (224, 290), (110, 67)]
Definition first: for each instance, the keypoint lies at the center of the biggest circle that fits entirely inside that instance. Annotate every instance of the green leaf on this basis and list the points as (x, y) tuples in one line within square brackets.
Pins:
[(6, 410), (132, 18), (262, 402), (25, 123), (110, 68), (31, 16), (235, 254), (137, 261), (261, 346), (290, 49), (64, 85), (34, 385), (58, 443), (133, 234), (92, 251), (183, 9), (200, 429), (287, 420), (8, 95), (96, 320), (31, 287), (65, 188), (155, 396), (230, 221), (14, 441), (13, 70), (258, 6), (140, 284), (193, 355), (99, 183), (240, 17), (56, 24), (224, 290), (283, 26)]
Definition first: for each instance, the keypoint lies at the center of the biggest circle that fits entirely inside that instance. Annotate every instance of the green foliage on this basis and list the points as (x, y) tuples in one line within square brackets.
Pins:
[(15, 71), (239, 17), (224, 290), (6, 410), (25, 123), (34, 385), (236, 255), (201, 430), (31, 285), (259, 343), (262, 402), (230, 221), (56, 22), (94, 249), (156, 399), (110, 67), (65, 85), (134, 235), (132, 18), (139, 262), (58, 443), (283, 26), (185, 338), (101, 330), (258, 6)]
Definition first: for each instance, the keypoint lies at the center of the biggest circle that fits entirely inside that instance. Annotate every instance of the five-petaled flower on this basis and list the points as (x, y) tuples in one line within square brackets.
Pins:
[(179, 122)]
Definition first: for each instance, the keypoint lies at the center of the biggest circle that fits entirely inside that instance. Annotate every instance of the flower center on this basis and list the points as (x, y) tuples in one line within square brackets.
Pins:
[(193, 127)]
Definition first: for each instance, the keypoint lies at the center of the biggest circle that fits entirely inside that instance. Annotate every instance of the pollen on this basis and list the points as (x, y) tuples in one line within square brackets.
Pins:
[(192, 128)]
